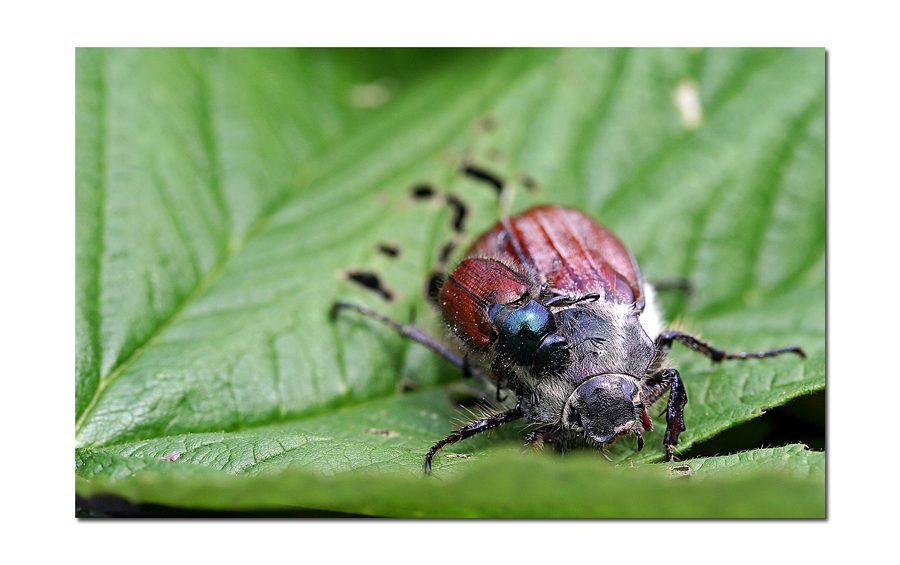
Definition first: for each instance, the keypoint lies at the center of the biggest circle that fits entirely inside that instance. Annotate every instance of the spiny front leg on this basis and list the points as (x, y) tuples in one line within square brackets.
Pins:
[(473, 428), (656, 385)]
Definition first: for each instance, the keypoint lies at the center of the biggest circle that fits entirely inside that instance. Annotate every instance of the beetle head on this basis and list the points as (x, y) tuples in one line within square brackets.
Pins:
[(606, 406)]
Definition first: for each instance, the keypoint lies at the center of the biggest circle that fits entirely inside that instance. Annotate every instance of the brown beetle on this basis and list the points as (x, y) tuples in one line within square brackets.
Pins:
[(555, 305)]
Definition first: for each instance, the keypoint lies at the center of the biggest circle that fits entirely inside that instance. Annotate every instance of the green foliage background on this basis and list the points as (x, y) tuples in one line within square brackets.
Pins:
[(223, 195)]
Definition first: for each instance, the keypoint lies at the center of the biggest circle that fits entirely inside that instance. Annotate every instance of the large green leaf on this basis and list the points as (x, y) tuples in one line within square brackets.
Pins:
[(783, 483), (224, 195)]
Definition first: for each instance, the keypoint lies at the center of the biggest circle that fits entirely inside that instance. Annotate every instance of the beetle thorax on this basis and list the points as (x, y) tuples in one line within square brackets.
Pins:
[(603, 337)]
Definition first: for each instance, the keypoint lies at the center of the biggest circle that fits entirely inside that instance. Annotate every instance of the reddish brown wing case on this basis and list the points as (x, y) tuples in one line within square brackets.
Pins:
[(576, 254), (469, 292)]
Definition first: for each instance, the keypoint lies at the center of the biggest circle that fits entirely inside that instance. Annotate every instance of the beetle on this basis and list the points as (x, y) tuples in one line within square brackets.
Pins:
[(550, 305)]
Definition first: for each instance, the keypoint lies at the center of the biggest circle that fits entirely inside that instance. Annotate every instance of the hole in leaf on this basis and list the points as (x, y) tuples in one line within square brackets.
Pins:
[(389, 249), (435, 282), (446, 251), (371, 282), (482, 175), (422, 192), (460, 212)]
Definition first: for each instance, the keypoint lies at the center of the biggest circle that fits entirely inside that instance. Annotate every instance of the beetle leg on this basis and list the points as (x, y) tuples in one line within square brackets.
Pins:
[(467, 369), (540, 436), (503, 377), (499, 388), (656, 385), (408, 330), (473, 428), (665, 339)]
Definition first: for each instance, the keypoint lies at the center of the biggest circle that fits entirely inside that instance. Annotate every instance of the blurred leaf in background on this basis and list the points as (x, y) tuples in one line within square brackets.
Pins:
[(223, 197)]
